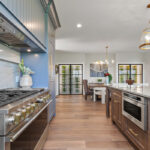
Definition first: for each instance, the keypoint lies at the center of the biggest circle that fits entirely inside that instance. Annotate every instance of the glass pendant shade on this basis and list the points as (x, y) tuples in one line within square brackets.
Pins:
[(145, 39)]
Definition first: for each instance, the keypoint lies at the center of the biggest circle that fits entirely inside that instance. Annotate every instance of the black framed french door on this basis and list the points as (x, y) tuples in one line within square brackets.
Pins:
[(130, 71), (70, 79)]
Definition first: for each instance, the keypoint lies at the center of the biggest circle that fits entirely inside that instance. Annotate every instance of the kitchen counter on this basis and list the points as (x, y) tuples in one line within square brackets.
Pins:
[(136, 130), (141, 90)]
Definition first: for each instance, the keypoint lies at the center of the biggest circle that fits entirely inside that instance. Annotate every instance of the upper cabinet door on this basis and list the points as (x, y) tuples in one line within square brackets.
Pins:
[(31, 14)]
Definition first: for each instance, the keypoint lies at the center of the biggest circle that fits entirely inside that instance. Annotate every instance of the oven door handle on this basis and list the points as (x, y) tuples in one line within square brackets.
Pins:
[(13, 136), (132, 102)]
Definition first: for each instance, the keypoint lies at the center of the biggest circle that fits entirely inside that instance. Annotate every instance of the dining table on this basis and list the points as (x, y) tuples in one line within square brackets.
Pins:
[(93, 85), (108, 97)]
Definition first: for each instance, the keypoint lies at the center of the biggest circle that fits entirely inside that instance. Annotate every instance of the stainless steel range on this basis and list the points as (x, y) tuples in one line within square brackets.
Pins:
[(18, 109)]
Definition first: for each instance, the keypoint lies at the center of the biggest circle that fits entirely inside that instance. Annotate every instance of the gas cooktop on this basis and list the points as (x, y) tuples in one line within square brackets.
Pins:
[(8, 96)]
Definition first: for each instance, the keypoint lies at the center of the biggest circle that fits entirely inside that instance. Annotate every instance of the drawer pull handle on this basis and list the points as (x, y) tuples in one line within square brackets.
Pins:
[(132, 132)]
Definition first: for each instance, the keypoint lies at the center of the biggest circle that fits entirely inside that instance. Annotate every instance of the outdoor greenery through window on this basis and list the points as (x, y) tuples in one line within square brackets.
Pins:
[(70, 78), (130, 71)]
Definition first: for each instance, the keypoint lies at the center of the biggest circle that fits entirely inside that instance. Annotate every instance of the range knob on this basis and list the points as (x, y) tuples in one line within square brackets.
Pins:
[(11, 120), (45, 99), (33, 106), (36, 105), (23, 113), (17, 117), (48, 96), (28, 110), (40, 100)]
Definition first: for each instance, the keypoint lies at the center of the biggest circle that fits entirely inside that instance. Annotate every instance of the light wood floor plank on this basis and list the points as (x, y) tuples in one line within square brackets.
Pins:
[(82, 125)]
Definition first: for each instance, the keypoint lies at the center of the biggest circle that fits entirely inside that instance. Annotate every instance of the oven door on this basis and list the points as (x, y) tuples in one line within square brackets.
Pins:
[(135, 111)]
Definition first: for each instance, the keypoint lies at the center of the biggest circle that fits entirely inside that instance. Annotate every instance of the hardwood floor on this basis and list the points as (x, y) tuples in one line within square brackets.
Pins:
[(82, 125)]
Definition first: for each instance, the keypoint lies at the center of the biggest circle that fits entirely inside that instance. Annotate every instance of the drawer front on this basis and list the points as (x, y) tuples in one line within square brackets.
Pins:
[(136, 135)]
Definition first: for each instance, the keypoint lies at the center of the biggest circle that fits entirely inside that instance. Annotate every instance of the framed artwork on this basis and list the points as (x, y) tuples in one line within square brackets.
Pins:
[(98, 70)]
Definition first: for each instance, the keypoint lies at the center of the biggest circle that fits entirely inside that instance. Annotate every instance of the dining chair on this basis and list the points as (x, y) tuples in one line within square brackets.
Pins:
[(87, 90)]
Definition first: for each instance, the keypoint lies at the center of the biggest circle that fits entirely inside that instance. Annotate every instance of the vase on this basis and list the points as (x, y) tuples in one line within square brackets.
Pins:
[(26, 81), (107, 80)]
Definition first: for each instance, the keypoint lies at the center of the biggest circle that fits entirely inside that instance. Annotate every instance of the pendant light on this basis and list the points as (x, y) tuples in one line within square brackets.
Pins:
[(106, 61), (145, 38)]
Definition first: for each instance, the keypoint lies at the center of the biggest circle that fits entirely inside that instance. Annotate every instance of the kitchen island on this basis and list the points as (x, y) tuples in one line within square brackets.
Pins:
[(130, 112)]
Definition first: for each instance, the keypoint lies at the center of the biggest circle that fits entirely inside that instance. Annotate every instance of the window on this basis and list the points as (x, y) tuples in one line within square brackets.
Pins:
[(130, 71)]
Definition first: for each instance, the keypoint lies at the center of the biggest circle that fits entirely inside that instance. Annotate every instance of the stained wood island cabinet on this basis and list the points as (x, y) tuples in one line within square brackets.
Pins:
[(137, 136), (117, 107)]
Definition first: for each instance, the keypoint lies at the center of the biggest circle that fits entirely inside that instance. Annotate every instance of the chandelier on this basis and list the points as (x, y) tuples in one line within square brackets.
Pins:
[(107, 61)]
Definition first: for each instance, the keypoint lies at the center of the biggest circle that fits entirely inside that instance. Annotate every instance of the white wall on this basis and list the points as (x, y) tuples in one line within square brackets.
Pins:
[(130, 58), (146, 57)]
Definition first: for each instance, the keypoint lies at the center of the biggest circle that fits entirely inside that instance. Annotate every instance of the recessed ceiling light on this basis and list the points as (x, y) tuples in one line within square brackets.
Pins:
[(28, 50), (79, 25), (1, 50)]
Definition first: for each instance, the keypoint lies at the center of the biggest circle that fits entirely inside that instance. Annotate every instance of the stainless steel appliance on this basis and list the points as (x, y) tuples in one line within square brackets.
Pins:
[(11, 36), (135, 109), (18, 109)]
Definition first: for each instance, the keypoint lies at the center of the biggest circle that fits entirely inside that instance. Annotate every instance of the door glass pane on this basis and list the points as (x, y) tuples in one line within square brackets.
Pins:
[(123, 78), (76, 89), (124, 69), (64, 69), (64, 79), (137, 78), (76, 69), (64, 89), (136, 69), (76, 79)]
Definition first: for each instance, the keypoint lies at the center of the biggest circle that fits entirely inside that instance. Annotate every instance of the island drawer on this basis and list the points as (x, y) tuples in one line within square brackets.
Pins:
[(136, 135)]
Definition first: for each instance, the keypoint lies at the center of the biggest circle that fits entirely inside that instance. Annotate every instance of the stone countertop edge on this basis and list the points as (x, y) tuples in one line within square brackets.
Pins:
[(141, 91)]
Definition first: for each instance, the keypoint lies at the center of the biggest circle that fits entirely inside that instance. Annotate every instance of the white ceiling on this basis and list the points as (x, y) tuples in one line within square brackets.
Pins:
[(117, 23)]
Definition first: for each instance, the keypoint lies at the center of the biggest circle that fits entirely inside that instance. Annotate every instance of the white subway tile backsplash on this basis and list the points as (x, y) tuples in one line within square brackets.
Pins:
[(9, 70), (8, 73), (9, 60), (9, 54)]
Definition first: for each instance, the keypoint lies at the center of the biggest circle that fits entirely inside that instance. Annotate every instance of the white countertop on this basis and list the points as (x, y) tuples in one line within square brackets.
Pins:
[(139, 90)]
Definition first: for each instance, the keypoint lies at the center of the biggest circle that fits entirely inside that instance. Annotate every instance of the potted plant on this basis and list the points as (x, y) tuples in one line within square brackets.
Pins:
[(108, 77), (26, 79), (99, 80)]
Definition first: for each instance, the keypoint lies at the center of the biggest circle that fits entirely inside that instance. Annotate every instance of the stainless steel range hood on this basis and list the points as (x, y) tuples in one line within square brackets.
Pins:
[(12, 37)]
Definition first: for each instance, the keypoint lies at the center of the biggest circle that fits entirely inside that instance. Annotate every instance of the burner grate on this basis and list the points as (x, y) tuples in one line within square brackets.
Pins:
[(10, 96)]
